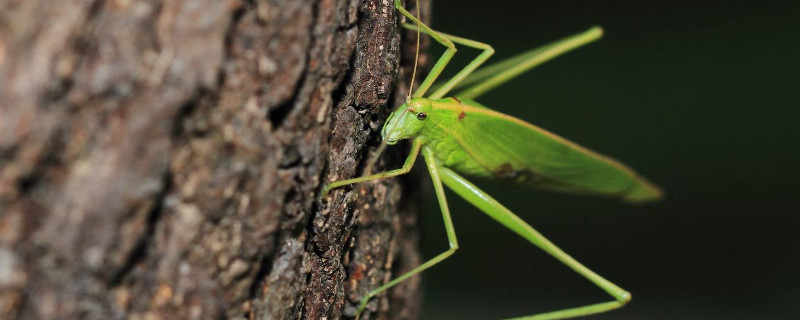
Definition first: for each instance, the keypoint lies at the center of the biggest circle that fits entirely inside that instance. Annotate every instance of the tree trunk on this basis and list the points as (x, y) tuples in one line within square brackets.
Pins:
[(164, 160)]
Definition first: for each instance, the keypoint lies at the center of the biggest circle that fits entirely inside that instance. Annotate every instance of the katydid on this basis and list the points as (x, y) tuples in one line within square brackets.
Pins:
[(459, 137)]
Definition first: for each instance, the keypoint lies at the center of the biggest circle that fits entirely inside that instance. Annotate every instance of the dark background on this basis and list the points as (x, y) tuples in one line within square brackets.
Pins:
[(702, 99)]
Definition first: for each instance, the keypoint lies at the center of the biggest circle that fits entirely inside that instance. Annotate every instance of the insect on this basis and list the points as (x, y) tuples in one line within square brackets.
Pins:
[(459, 137)]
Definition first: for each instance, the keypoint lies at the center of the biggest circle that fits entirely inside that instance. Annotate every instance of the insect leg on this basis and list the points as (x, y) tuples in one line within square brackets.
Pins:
[(490, 77), (497, 211), (433, 169), (488, 51), (443, 60), (412, 157)]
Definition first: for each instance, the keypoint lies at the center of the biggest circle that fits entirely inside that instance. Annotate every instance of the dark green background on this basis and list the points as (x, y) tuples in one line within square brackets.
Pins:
[(701, 98)]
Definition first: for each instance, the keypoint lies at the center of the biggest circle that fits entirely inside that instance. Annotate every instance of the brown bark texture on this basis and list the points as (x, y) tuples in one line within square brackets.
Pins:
[(163, 159)]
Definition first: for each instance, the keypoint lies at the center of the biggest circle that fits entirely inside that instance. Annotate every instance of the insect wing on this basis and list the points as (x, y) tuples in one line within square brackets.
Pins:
[(519, 152)]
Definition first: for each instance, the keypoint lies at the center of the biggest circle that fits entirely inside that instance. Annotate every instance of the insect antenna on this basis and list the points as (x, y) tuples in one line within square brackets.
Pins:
[(416, 59), (374, 159), (382, 147)]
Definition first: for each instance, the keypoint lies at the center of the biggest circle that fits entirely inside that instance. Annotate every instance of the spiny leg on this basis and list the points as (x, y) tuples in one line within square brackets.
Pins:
[(488, 51), (497, 211), (492, 76), (412, 157), (433, 169), (443, 60)]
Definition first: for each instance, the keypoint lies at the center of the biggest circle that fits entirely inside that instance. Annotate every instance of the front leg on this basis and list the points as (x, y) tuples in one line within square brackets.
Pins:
[(433, 169), (488, 51), (437, 68), (412, 157)]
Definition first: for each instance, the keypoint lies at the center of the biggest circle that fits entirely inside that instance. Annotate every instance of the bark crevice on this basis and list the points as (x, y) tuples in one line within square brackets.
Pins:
[(164, 160)]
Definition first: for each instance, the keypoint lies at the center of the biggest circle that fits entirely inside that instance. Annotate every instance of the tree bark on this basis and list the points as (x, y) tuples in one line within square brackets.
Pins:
[(164, 159)]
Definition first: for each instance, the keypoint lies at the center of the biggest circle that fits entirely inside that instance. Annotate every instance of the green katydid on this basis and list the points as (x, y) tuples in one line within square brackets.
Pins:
[(458, 136)]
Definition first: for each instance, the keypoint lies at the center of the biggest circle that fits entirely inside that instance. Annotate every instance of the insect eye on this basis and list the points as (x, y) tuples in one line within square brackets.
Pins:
[(421, 116)]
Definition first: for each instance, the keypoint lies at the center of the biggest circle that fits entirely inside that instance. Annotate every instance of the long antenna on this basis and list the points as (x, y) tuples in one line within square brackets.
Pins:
[(416, 56), (371, 162)]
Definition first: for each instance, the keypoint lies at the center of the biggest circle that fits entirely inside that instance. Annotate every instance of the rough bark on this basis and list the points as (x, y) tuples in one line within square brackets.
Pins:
[(163, 160)]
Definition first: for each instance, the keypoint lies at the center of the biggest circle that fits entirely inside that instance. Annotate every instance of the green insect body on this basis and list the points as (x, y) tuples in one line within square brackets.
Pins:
[(476, 141), (459, 137)]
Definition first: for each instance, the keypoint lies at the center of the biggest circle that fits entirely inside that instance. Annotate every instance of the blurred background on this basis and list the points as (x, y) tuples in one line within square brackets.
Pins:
[(699, 97)]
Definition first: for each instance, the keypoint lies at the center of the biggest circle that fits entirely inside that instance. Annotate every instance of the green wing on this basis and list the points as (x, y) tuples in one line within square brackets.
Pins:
[(515, 151)]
